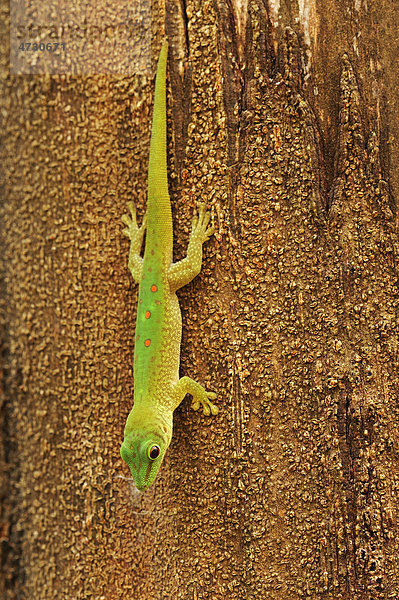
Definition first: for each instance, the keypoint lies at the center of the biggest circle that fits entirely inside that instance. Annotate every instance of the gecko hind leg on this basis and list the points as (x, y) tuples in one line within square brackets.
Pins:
[(136, 235), (200, 224), (185, 270)]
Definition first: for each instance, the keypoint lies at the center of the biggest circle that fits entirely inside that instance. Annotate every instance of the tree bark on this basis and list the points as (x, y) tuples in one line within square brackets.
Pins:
[(283, 117)]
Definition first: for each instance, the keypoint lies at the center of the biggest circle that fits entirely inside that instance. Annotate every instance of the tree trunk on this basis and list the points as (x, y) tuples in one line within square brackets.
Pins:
[(284, 119)]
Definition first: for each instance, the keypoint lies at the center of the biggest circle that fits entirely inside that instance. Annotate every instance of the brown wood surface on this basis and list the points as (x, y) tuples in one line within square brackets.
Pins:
[(284, 119)]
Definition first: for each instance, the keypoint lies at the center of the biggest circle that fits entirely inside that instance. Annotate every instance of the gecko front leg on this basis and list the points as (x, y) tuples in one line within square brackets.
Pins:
[(135, 234), (201, 397), (186, 269)]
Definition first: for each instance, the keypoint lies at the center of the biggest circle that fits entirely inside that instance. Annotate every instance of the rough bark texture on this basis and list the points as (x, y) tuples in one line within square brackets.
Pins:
[(291, 491)]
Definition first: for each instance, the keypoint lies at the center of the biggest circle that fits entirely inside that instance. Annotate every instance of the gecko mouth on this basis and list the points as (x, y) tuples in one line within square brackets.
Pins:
[(147, 474)]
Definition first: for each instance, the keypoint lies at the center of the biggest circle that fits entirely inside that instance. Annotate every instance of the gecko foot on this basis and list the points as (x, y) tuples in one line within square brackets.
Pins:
[(200, 224), (133, 231), (204, 400)]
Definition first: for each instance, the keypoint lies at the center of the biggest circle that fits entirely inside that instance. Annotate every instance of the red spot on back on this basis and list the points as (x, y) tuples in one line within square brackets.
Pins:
[(154, 288), (147, 314), (147, 343)]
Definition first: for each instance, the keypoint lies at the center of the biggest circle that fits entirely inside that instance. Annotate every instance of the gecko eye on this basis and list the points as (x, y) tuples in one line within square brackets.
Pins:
[(153, 452)]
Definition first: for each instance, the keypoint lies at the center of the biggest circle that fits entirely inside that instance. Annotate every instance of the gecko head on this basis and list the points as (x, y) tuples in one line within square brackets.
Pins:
[(143, 450)]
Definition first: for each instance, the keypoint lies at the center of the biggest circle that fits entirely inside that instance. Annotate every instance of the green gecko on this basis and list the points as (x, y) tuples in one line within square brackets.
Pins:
[(157, 387)]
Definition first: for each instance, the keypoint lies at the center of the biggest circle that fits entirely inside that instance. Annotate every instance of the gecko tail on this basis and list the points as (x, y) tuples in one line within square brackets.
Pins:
[(157, 168)]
